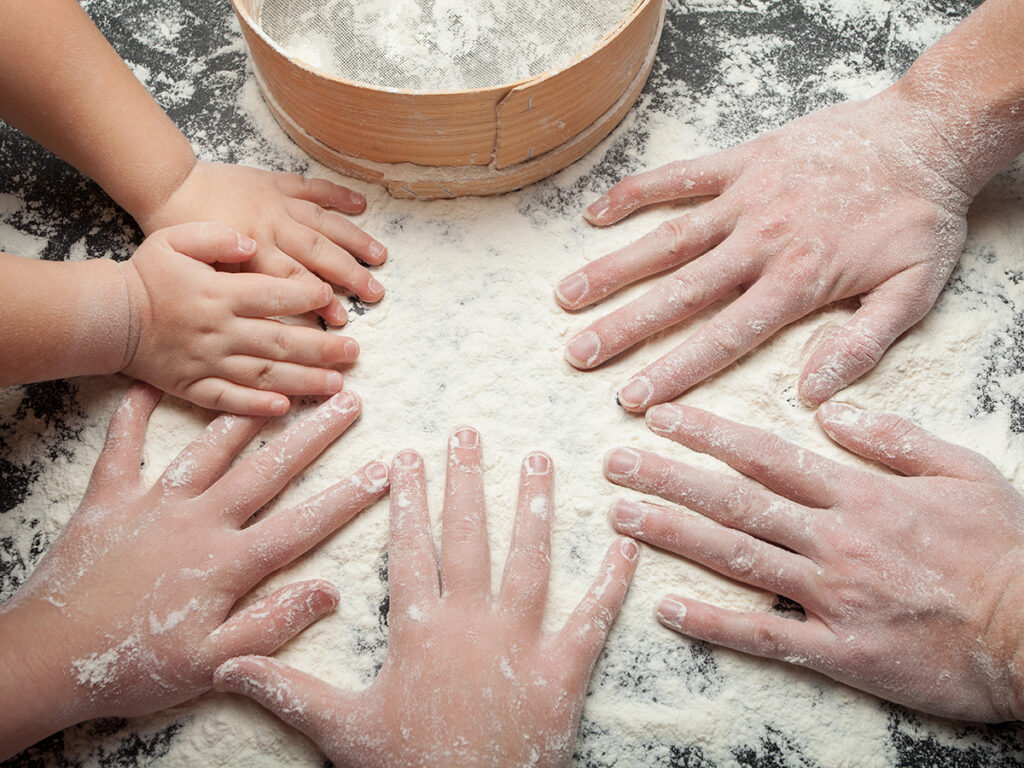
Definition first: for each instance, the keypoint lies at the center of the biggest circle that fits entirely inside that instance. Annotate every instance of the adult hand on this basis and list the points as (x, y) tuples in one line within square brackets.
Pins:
[(296, 222), (469, 679), (911, 583), (130, 609), (859, 200), (210, 337)]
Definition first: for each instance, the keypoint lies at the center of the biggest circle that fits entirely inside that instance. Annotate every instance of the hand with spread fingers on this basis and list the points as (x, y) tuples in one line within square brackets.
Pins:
[(863, 200), (130, 609), (469, 679), (912, 582)]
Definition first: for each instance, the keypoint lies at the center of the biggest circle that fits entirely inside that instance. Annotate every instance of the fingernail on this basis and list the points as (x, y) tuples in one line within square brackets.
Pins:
[(597, 209), (408, 458), (584, 349), (572, 288), (538, 464), (629, 516), (377, 474), (377, 250), (247, 245), (351, 349), (671, 613), (664, 418), (622, 462), (636, 393), (333, 382), (357, 198), (345, 401), (629, 549), (467, 437), (279, 406), (374, 287)]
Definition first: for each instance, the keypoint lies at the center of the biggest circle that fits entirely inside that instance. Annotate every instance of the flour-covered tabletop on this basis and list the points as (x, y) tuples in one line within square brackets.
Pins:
[(469, 333)]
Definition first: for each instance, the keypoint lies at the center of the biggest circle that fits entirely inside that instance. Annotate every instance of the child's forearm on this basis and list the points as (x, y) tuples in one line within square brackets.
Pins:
[(63, 319), (970, 87), (63, 85)]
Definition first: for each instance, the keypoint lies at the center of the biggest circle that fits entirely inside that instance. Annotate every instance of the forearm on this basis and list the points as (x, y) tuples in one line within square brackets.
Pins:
[(63, 319), (970, 88), (63, 85)]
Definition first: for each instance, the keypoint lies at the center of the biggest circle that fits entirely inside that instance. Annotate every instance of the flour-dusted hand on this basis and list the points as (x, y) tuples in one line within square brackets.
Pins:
[(912, 583), (130, 609), (469, 679), (862, 200), (211, 337), (297, 223)]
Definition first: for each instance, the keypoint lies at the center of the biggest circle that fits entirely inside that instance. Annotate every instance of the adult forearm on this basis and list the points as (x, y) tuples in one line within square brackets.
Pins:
[(63, 85)]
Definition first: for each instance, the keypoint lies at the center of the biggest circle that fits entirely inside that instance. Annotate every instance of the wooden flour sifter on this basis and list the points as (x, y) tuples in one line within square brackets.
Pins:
[(470, 136)]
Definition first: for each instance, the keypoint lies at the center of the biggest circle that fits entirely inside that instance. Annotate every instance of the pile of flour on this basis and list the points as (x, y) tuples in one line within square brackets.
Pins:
[(439, 45)]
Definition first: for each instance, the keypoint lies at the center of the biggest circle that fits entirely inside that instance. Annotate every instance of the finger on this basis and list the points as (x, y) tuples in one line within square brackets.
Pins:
[(884, 315), (208, 457), (209, 242), (412, 564), (222, 395), (324, 193), (732, 501), (268, 624), (302, 701), (295, 344), (281, 537), (121, 457), (674, 242), (524, 585), (465, 555), (587, 627), (282, 377), (732, 553), (708, 175), (339, 230), (749, 320), (265, 296), (759, 634), (263, 474), (671, 300), (318, 254), (789, 470), (276, 263), (900, 444)]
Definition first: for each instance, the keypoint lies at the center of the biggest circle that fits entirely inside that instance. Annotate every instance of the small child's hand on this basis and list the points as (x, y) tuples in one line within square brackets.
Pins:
[(469, 679), (130, 609), (208, 336), (295, 221)]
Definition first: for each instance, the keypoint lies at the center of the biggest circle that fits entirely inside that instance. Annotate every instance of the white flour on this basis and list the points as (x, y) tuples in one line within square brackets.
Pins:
[(469, 334)]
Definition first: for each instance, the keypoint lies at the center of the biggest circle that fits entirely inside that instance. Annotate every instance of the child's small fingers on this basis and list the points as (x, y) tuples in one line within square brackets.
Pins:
[(587, 628), (283, 377), (122, 451), (209, 242), (320, 255), (269, 623), (265, 296), (324, 193), (339, 230), (274, 340), (222, 395)]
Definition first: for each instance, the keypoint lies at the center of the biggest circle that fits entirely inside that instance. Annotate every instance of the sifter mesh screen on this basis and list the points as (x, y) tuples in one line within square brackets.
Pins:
[(439, 45)]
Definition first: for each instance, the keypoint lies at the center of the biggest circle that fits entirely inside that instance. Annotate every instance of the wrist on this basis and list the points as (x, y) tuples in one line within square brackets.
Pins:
[(151, 193)]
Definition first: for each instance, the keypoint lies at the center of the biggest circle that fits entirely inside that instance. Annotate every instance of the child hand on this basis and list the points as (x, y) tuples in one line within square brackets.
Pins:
[(130, 609), (296, 222), (208, 336), (911, 583), (469, 679)]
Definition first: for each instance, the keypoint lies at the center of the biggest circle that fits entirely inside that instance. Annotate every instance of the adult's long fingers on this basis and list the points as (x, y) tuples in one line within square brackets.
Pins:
[(412, 563), (735, 502), (732, 553), (122, 451), (465, 555), (671, 300), (742, 325), (900, 444), (708, 175), (524, 584), (884, 315), (208, 457), (672, 243), (788, 469), (264, 473)]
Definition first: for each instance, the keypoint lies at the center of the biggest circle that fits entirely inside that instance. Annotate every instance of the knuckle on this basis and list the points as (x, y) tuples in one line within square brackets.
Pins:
[(743, 558), (263, 376), (685, 291), (673, 234)]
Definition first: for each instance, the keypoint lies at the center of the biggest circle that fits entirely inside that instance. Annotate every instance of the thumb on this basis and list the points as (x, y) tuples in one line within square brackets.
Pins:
[(884, 314), (209, 242), (303, 701)]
